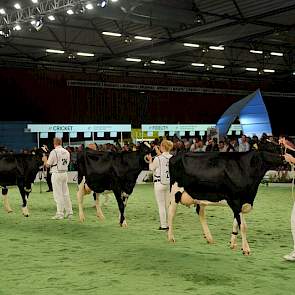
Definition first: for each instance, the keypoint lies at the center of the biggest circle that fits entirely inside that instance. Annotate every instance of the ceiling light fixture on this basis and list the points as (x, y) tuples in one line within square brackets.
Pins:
[(17, 6), (218, 66), (89, 6), (35, 1), (251, 69), (2, 11), (79, 8), (256, 51), (277, 53), (191, 45), (102, 3), (112, 34), (55, 51), (197, 64), (70, 12), (37, 23), (268, 71), (158, 62), (220, 47), (85, 54), (133, 59), (51, 17), (143, 38), (17, 27), (5, 32)]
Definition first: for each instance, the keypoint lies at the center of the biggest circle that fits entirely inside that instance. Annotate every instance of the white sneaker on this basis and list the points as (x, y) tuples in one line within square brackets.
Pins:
[(69, 216), (290, 257), (56, 217)]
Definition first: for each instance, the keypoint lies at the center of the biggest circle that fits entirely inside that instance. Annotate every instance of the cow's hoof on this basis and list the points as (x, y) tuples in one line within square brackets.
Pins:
[(9, 211), (210, 241), (100, 217), (234, 246), (246, 253), (82, 218), (124, 224), (25, 211), (171, 239)]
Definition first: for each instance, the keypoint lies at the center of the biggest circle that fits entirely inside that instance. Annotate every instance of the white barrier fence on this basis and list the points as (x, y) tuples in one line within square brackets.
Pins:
[(146, 176), (73, 176)]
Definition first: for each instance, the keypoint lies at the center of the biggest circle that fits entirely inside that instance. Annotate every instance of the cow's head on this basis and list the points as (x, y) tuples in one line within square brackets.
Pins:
[(272, 153), (144, 150), (41, 155), (271, 147)]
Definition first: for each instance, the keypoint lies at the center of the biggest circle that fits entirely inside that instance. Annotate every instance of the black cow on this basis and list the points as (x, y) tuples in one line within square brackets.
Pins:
[(20, 170), (103, 171), (232, 178)]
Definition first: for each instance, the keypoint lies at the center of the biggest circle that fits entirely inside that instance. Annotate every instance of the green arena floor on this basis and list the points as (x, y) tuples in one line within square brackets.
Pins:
[(44, 256)]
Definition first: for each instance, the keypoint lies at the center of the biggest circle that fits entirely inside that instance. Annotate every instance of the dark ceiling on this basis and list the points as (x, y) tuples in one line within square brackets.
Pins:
[(238, 25)]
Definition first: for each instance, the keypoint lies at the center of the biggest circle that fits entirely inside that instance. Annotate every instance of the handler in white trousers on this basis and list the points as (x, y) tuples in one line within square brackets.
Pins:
[(58, 161), (160, 168), (289, 158)]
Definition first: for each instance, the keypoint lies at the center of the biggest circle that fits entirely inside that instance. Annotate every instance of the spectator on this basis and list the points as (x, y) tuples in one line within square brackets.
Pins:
[(244, 145)]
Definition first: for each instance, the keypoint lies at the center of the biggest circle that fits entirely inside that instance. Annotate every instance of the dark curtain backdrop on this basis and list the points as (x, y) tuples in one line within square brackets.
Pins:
[(42, 96)]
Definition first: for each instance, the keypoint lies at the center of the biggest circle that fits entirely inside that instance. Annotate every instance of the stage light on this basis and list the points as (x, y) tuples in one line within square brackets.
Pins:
[(37, 23), (17, 27), (79, 8), (51, 17), (35, 1), (199, 19), (70, 11), (5, 32), (102, 3), (89, 6), (2, 11), (17, 6), (128, 40)]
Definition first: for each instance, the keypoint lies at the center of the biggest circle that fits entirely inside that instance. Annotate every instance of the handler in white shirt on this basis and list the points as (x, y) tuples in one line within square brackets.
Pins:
[(160, 168), (58, 161)]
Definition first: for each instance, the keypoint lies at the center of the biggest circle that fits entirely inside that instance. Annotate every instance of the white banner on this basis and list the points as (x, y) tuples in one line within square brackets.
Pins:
[(78, 128)]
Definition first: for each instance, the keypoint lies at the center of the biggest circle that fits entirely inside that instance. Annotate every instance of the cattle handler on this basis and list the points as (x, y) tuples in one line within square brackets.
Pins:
[(58, 161), (289, 158), (160, 168)]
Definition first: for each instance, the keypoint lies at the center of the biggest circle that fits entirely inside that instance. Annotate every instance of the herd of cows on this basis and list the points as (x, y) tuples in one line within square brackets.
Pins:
[(198, 179)]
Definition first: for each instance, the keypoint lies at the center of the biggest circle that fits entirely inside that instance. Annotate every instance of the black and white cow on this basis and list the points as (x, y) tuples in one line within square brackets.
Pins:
[(104, 171), (219, 178), (20, 170)]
